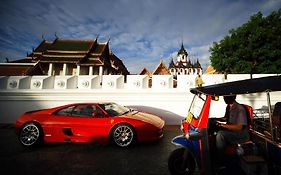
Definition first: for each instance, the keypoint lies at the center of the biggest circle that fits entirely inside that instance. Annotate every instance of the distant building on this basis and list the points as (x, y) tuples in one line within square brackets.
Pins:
[(161, 69), (211, 70), (146, 72), (67, 57), (183, 65)]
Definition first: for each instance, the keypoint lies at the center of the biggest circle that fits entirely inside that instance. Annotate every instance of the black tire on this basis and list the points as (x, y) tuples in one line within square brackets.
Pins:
[(123, 135), (177, 166), (31, 135)]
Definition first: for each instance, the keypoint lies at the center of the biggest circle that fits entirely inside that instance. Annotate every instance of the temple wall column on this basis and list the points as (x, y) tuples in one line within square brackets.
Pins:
[(100, 71), (78, 70), (51, 68), (91, 70), (64, 69)]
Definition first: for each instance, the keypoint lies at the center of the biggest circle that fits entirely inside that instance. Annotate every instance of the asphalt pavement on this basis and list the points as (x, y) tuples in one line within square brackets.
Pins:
[(85, 158)]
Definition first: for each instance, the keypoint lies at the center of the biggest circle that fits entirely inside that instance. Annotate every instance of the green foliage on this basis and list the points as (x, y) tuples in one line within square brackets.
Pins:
[(254, 47)]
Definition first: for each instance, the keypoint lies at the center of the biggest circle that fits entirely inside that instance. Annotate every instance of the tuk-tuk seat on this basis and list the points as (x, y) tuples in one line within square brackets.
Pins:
[(277, 114), (276, 120), (250, 116)]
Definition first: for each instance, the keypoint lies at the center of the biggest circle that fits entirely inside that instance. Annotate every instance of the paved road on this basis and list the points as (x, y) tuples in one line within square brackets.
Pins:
[(94, 159)]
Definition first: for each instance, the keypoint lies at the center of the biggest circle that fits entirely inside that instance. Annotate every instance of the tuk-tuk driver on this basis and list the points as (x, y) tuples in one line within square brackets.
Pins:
[(236, 128)]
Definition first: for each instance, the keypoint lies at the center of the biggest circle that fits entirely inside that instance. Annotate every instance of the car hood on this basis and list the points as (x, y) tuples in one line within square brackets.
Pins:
[(145, 117)]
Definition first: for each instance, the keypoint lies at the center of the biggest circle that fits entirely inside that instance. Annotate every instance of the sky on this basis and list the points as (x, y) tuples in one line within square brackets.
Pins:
[(140, 32)]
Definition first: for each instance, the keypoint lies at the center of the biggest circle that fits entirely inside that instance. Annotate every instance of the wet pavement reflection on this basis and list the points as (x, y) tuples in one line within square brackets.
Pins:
[(80, 158)]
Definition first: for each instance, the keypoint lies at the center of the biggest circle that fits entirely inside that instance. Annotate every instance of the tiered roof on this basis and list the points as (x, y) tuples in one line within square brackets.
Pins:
[(80, 52), (16, 69), (63, 51)]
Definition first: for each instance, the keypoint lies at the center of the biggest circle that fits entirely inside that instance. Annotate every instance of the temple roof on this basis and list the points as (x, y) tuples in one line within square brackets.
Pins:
[(86, 52), (211, 70), (63, 59), (25, 60), (181, 65), (171, 64), (197, 64), (161, 69), (98, 48), (182, 51), (79, 52), (15, 69), (72, 45), (118, 64), (96, 62), (43, 46), (145, 72)]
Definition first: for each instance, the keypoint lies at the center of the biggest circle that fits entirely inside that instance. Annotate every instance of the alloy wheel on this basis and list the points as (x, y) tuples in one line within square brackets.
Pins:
[(123, 135), (29, 134)]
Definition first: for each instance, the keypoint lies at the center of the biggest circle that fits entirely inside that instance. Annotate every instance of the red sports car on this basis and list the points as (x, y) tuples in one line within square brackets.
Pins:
[(88, 122)]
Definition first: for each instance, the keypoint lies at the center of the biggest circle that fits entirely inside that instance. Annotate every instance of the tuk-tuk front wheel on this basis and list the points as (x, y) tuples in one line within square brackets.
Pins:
[(181, 162)]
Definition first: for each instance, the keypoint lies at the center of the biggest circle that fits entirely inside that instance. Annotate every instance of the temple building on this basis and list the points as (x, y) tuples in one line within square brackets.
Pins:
[(183, 65), (161, 69), (67, 57), (146, 72)]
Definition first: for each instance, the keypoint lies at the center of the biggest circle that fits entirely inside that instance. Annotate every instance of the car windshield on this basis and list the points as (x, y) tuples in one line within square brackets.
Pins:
[(197, 105), (114, 109)]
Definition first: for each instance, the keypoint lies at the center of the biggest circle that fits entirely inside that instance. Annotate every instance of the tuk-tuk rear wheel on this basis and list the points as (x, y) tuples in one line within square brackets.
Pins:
[(177, 165)]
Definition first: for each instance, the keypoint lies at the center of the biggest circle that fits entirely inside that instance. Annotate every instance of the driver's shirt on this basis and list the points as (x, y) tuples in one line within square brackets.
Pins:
[(237, 115)]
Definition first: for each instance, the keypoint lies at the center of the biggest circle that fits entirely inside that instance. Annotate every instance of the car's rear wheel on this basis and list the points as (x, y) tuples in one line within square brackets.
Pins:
[(30, 134), (123, 135)]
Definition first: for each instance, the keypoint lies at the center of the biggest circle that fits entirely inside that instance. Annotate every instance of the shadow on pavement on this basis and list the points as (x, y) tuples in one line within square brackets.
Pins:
[(76, 158)]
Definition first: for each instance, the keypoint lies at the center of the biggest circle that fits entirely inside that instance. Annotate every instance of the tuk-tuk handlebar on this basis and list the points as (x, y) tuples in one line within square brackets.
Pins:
[(194, 135)]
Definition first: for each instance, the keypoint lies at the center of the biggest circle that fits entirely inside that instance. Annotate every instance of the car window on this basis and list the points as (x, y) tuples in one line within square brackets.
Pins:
[(87, 110), (98, 113), (65, 111), (114, 109), (84, 110)]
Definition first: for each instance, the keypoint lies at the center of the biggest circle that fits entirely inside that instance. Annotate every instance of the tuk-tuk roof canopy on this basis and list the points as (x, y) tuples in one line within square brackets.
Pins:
[(248, 86)]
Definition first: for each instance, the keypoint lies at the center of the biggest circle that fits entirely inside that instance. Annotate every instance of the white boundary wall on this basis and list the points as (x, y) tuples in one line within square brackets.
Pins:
[(19, 94)]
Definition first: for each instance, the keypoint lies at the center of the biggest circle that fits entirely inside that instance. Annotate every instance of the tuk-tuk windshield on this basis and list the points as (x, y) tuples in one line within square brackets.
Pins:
[(197, 105)]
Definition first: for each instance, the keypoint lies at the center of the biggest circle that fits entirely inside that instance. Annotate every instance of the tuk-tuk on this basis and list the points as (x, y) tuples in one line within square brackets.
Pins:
[(259, 155)]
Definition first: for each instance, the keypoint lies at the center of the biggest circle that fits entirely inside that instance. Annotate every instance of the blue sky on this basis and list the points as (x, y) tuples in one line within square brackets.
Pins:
[(141, 32)]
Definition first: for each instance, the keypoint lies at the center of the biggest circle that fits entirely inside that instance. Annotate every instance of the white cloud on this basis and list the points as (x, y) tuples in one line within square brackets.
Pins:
[(140, 32)]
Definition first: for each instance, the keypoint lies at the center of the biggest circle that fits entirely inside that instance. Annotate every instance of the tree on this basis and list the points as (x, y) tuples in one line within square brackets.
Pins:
[(254, 47)]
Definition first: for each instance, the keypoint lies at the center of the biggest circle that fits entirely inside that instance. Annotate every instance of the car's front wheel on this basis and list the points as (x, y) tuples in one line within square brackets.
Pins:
[(30, 134), (123, 135)]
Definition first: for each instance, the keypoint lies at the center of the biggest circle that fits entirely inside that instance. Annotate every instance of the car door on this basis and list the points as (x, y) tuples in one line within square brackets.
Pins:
[(82, 123)]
